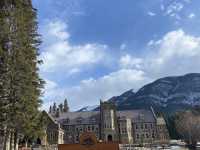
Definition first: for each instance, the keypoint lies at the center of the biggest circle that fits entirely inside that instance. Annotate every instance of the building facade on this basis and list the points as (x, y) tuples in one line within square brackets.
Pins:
[(54, 132), (108, 124)]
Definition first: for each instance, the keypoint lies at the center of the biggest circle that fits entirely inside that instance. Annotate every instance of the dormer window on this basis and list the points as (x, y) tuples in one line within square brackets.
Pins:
[(93, 120), (141, 117), (79, 120), (66, 121)]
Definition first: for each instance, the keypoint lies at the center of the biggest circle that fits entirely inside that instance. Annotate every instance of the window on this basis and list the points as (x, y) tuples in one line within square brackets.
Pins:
[(79, 120), (147, 135), (77, 139), (136, 126), (88, 128), (67, 128), (143, 135), (93, 120), (137, 136), (153, 136), (142, 126), (92, 128), (151, 125), (145, 126)]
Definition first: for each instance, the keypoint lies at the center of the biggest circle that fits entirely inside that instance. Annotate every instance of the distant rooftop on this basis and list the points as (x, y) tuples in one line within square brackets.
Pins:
[(86, 117)]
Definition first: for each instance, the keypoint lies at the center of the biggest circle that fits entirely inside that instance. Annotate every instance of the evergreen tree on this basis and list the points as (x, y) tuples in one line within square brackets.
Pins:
[(50, 109), (57, 113), (54, 107), (66, 107), (4, 63), (61, 107), (20, 84)]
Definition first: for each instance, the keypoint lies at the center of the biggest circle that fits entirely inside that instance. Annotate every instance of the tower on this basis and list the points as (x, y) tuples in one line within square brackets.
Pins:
[(109, 126)]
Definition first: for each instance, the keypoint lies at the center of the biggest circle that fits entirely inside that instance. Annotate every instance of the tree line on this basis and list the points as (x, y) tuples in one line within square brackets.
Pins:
[(20, 83), (185, 125)]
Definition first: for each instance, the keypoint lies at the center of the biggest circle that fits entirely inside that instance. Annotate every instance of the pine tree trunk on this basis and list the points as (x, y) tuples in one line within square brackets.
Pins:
[(6, 145), (12, 140), (16, 141), (26, 143)]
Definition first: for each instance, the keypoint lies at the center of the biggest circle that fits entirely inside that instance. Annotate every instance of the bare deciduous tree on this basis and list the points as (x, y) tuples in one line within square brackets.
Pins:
[(188, 126)]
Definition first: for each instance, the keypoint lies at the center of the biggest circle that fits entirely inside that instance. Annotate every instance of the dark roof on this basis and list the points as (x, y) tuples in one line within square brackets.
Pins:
[(139, 115), (50, 117), (93, 117), (87, 117)]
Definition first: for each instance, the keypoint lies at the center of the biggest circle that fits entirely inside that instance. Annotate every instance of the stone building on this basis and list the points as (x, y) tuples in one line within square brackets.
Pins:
[(108, 124), (162, 130), (54, 133)]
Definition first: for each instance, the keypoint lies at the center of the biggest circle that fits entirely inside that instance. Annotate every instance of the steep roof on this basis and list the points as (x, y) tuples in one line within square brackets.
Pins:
[(50, 117), (93, 117), (139, 115), (161, 121), (79, 117)]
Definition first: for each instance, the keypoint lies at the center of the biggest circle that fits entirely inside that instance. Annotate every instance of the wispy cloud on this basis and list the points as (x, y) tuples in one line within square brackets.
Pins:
[(192, 15)]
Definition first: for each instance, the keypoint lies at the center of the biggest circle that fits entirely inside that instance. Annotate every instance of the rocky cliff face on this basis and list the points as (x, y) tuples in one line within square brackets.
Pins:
[(167, 94)]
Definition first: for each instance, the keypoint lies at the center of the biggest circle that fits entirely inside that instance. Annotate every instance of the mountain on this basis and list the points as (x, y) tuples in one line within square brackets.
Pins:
[(88, 108), (167, 94), (120, 99)]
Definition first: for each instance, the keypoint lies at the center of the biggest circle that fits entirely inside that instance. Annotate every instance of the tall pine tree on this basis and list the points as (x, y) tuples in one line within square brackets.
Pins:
[(20, 84)]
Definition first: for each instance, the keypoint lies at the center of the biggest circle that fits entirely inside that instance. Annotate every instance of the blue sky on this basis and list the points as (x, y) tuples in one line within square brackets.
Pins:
[(96, 49)]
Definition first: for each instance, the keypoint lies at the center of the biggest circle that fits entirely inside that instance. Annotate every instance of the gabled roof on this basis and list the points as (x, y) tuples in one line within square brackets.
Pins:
[(138, 115), (93, 117), (160, 121), (50, 117), (83, 117)]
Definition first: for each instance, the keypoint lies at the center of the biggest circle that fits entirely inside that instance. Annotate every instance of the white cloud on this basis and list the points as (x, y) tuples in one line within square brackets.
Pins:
[(192, 15), (57, 29), (175, 7), (151, 14), (127, 61), (162, 7), (175, 54), (60, 55), (91, 90), (123, 46)]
